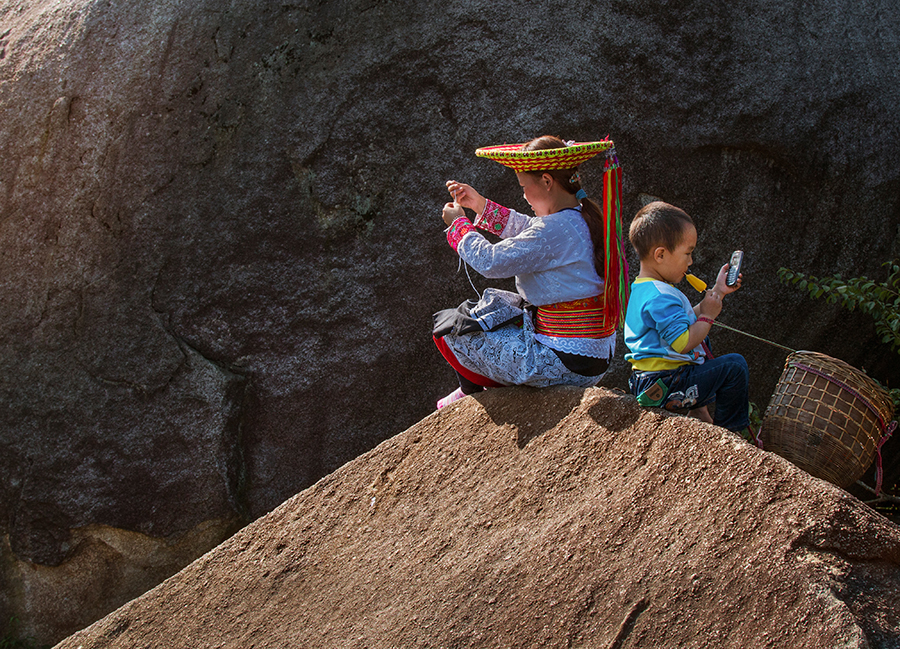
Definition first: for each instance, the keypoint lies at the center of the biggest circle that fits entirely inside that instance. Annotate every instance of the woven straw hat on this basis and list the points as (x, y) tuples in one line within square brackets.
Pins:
[(569, 157)]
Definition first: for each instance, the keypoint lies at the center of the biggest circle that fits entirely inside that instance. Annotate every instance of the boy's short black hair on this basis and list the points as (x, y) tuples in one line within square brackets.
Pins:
[(657, 224)]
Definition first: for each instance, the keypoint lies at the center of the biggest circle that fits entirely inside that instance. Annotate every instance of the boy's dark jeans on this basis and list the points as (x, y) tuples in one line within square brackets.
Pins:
[(724, 379)]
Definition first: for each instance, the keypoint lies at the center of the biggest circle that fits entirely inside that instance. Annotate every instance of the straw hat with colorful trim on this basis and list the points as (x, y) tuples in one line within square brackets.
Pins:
[(569, 157)]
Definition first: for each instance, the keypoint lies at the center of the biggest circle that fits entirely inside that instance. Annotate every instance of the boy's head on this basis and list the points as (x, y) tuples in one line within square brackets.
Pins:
[(656, 225)]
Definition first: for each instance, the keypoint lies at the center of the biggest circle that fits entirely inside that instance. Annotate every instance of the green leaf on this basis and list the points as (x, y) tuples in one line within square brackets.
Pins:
[(881, 301)]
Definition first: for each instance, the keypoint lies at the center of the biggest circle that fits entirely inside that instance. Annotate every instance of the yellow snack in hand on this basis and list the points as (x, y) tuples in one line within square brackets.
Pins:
[(698, 284)]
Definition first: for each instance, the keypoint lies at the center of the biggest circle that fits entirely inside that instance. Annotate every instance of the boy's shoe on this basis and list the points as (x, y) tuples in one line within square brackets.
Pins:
[(456, 395)]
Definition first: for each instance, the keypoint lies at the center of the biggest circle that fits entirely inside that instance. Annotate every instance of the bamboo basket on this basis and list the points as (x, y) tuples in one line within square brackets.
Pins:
[(826, 417)]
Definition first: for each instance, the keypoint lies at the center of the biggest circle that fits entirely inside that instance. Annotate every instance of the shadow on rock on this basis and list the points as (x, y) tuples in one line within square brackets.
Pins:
[(614, 411), (552, 405)]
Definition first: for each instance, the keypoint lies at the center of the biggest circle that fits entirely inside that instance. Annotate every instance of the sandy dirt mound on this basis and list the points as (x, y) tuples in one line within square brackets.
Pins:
[(557, 518)]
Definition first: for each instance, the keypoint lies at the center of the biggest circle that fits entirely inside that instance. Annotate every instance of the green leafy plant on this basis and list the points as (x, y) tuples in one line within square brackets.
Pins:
[(880, 300), (756, 416)]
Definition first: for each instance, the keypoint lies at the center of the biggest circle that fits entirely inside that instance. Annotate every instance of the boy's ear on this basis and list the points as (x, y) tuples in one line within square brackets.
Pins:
[(659, 253)]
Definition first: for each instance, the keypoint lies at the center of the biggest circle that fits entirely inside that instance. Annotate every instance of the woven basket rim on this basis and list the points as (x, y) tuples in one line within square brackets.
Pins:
[(877, 396)]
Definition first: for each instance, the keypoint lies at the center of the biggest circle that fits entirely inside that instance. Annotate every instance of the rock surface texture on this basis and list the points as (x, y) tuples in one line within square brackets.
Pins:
[(220, 243), (556, 518)]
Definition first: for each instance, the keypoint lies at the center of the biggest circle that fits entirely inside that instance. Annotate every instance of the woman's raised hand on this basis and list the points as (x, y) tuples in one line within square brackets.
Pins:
[(451, 212), (466, 196)]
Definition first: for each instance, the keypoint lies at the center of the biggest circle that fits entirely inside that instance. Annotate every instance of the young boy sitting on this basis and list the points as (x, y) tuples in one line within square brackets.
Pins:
[(665, 335)]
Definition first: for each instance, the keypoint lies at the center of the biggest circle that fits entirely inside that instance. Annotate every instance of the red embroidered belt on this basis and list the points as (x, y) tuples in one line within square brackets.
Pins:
[(576, 319)]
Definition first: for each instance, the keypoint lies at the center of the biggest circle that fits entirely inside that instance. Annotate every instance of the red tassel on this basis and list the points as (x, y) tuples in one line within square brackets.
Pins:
[(615, 290)]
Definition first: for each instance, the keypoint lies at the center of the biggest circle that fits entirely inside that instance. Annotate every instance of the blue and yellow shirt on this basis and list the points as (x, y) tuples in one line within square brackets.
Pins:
[(656, 327)]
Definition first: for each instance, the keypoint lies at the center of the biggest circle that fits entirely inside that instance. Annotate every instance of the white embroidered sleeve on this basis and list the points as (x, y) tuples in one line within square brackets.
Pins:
[(534, 249)]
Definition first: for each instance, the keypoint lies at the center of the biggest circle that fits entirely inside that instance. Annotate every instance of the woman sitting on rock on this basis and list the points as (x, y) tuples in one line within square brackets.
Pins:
[(568, 262)]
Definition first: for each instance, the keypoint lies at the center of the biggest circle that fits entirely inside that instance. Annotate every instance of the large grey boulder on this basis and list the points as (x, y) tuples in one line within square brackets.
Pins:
[(219, 236)]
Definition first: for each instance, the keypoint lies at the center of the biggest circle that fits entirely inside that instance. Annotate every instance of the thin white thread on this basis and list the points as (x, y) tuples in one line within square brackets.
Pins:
[(471, 283), (464, 264)]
